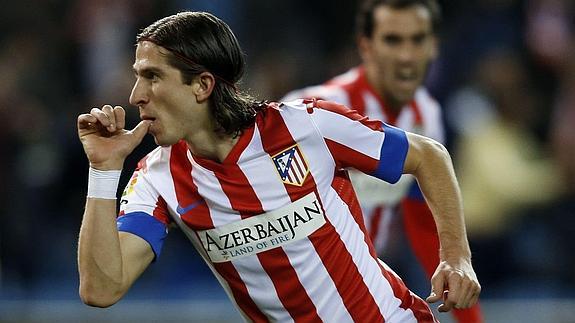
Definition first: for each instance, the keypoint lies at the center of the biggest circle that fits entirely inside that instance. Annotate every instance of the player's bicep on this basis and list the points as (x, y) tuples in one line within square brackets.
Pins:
[(413, 157), (137, 255), (421, 149)]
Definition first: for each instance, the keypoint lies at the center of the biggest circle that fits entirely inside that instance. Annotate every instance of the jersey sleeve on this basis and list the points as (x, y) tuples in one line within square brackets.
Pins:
[(355, 141), (143, 211)]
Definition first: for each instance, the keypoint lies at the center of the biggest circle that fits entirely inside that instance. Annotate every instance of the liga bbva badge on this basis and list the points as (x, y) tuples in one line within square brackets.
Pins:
[(291, 166)]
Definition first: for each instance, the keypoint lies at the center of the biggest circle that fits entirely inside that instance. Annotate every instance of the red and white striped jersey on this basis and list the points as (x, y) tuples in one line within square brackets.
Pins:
[(277, 221), (422, 115)]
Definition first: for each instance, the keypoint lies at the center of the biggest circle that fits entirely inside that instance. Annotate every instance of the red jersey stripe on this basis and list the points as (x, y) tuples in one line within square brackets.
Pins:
[(376, 216), (275, 262), (360, 161), (187, 194), (333, 253), (240, 291), (408, 301), (418, 119), (352, 114), (419, 307), (160, 212), (355, 91)]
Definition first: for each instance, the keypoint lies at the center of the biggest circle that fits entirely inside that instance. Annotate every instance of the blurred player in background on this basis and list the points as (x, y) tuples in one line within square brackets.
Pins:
[(397, 42), (253, 186)]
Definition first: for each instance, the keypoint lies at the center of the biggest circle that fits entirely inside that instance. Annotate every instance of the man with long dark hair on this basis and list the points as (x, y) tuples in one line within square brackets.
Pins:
[(260, 189)]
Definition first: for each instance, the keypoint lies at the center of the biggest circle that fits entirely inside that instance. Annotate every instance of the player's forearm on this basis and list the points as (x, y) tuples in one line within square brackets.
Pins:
[(99, 254), (437, 181)]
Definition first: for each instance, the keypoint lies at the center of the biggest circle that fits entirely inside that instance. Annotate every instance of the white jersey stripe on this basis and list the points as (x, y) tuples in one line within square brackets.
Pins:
[(364, 141), (271, 194), (321, 291), (299, 166), (299, 252), (372, 107), (256, 280), (345, 225), (192, 236)]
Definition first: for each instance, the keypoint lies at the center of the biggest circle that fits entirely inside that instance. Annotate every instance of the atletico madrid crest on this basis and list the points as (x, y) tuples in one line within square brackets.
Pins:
[(291, 166)]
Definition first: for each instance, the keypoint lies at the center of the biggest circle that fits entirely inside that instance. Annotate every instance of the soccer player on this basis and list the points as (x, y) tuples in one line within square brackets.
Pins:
[(260, 189), (396, 41)]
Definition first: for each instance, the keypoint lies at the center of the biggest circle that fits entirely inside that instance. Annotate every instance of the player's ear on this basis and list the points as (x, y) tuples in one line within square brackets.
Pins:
[(203, 85)]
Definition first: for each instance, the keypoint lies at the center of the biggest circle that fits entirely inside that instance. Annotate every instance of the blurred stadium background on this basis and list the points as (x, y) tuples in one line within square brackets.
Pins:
[(505, 78)]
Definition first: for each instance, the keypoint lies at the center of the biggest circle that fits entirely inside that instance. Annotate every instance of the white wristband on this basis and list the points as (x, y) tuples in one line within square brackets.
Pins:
[(103, 184)]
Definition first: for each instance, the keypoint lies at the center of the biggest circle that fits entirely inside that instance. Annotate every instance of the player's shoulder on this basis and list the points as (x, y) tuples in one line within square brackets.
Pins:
[(288, 110), (296, 104), (311, 105), (317, 109)]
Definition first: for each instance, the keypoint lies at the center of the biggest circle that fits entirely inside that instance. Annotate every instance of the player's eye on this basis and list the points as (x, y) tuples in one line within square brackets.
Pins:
[(150, 75), (392, 40), (419, 39)]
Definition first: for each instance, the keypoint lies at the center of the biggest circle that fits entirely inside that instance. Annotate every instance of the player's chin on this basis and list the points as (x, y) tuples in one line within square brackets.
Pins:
[(404, 95), (158, 139), (406, 88), (164, 141)]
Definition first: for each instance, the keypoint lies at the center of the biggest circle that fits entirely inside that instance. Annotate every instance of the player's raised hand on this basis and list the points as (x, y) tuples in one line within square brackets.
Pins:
[(456, 284), (105, 141)]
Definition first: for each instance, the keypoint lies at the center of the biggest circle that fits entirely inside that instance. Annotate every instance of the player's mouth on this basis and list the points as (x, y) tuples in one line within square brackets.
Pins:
[(406, 75), (152, 119), (145, 117), (407, 79)]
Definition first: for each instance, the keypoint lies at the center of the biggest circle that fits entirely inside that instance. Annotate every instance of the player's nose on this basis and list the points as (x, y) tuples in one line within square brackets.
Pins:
[(139, 95)]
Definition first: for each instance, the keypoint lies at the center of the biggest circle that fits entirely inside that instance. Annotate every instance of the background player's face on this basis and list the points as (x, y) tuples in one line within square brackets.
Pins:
[(398, 54), (162, 97)]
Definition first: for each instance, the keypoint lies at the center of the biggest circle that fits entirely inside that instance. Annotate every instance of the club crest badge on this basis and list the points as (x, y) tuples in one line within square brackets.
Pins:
[(291, 166)]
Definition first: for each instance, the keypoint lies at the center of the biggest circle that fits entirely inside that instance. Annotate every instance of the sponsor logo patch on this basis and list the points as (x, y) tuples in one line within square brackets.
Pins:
[(130, 188), (263, 232), (291, 166)]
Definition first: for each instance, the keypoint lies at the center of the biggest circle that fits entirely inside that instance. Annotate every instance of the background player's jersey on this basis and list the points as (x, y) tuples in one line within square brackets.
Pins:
[(277, 221), (422, 115)]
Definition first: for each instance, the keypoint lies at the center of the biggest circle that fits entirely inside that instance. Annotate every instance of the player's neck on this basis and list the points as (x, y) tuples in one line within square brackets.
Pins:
[(209, 142), (390, 103), (211, 145)]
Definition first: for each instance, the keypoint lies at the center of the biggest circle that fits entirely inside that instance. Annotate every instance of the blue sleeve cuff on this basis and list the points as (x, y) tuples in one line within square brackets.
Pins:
[(393, 154), (146, 227)]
